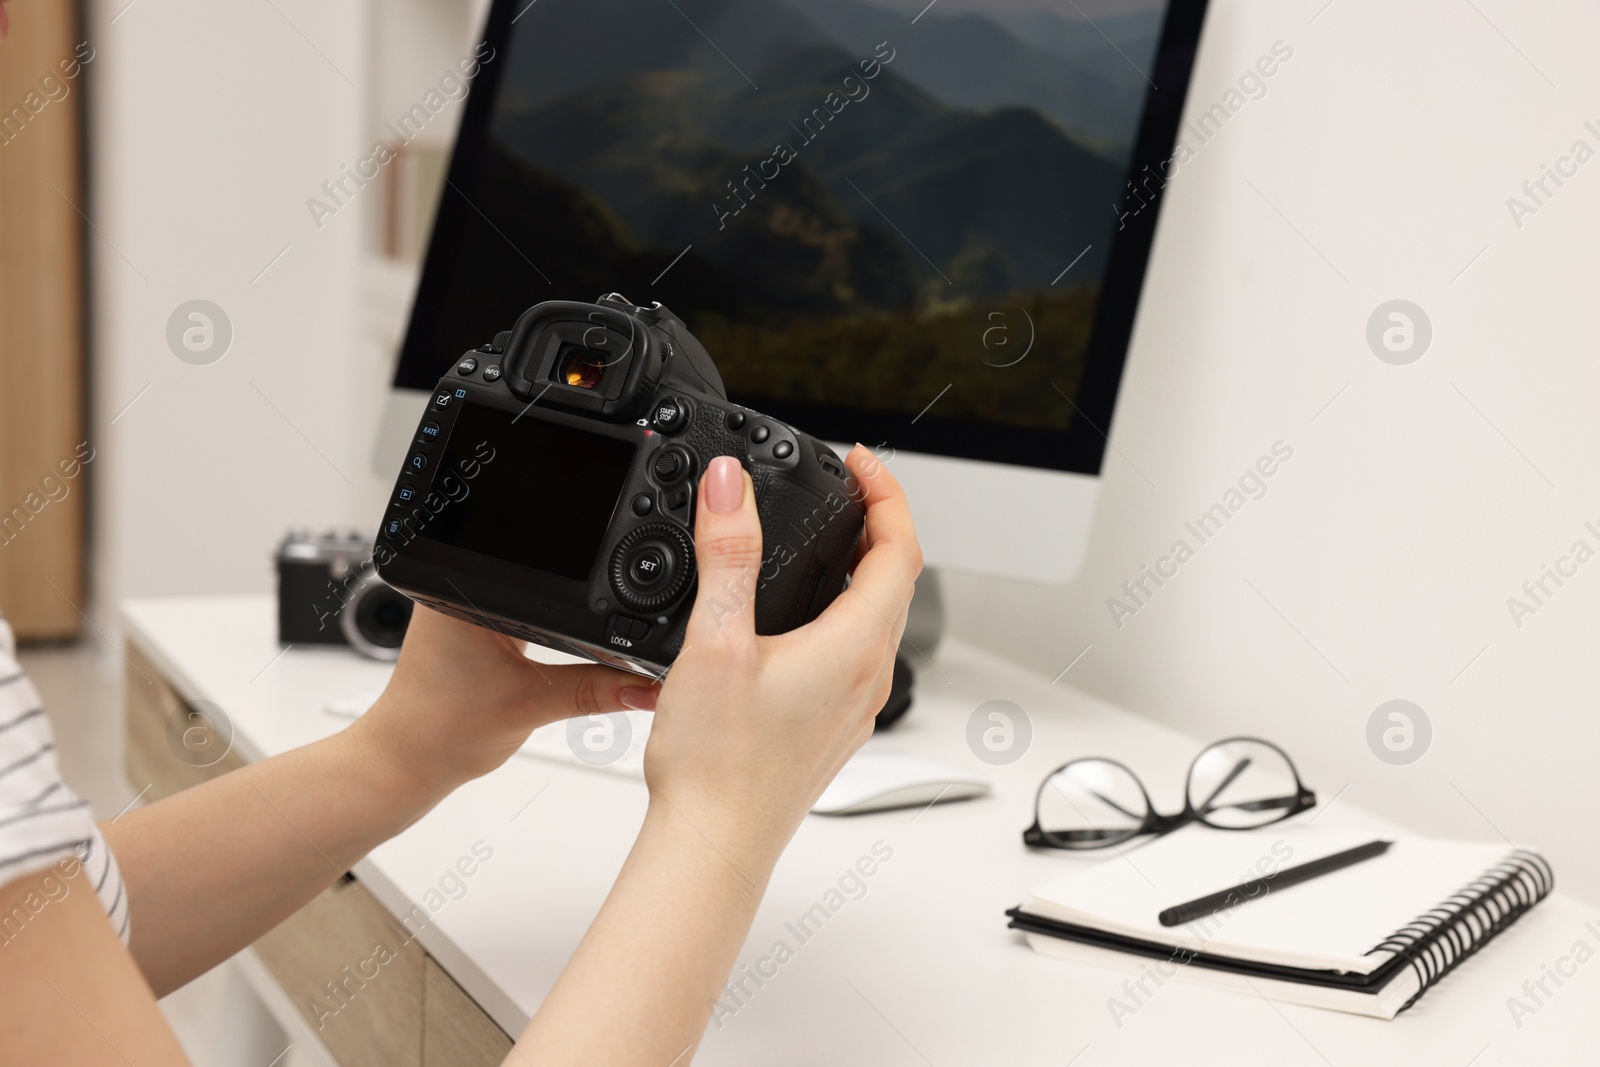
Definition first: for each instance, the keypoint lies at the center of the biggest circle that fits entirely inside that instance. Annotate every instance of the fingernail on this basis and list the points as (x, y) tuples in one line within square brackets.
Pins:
[(638, 698), (724, 484)]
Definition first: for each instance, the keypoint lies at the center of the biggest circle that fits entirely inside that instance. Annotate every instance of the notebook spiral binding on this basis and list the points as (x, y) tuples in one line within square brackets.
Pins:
[(1435, 942)]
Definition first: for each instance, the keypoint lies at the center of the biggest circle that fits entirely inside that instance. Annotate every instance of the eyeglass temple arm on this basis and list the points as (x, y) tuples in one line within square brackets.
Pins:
[(1108, 802), (1238, 769), (1305, 799), (1034, 835), (1101, 797)]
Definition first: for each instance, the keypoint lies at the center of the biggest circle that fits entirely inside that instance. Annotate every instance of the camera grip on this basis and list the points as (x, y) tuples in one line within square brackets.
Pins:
[(808, 538)]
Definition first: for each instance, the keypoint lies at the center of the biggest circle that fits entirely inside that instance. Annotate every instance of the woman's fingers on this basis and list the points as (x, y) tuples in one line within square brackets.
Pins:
[(884, 578), (727, 544), (590, 689), (437, 644)]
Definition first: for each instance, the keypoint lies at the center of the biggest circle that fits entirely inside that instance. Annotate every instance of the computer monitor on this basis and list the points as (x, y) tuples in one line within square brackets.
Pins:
[(922, 226)]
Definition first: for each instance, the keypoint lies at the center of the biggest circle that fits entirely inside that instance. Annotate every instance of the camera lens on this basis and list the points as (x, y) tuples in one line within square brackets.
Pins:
[(580, 366), (375, 619)]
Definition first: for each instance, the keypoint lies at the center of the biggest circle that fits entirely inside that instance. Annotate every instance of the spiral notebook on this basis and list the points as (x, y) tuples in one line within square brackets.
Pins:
[(1369, 939)]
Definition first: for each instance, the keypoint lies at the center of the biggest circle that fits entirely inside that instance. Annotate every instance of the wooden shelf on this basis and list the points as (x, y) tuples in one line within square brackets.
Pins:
[(41, 326)]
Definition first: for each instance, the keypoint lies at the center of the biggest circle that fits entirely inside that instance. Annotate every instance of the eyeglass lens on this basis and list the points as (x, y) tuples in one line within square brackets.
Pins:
[(1091, 803), (1240, 784)]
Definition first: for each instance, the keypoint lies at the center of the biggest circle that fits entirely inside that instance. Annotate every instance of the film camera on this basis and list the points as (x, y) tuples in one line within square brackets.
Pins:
[(329, 593), (550, 490)]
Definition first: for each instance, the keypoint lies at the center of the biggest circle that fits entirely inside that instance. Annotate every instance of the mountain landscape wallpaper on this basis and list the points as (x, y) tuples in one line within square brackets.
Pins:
[(846, 207)]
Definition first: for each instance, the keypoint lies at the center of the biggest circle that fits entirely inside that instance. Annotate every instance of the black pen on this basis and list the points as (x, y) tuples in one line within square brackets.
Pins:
[(1282, 879)]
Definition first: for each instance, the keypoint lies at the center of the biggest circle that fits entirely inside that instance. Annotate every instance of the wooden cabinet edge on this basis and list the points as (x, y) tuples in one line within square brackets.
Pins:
[(160, 723), (456, 1032)]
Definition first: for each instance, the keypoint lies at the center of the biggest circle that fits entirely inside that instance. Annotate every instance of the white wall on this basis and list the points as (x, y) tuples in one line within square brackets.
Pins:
[(1418, 502), (212, 125)]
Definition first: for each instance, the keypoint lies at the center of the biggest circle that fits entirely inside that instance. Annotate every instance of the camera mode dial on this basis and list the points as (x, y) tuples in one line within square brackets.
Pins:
[(652, 566)]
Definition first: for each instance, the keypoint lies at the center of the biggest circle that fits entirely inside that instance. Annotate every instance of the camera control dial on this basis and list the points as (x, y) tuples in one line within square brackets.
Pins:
[(652, 566)]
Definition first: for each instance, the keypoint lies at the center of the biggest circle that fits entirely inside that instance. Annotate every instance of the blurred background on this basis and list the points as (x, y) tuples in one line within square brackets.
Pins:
[(179, 161)]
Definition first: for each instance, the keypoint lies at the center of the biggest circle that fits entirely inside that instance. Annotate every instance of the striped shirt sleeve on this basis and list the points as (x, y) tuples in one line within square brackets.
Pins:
[(42, 823)]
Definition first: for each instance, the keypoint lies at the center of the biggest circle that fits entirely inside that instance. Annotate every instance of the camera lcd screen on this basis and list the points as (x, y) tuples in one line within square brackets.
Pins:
[(532, 493)]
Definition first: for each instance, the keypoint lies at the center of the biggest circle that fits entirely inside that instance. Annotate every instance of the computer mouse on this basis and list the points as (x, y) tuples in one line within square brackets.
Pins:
[(877, 780)]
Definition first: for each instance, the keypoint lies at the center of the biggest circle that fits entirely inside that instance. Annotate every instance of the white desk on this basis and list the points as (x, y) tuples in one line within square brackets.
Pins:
[(921, 969)]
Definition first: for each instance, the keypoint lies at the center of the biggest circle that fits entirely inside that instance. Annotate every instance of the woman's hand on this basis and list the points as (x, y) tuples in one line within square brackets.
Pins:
[(750, 730), (211, 869), (464, 698)]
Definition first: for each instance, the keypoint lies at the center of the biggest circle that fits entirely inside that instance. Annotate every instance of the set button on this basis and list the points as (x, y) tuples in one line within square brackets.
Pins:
[(648, 568)]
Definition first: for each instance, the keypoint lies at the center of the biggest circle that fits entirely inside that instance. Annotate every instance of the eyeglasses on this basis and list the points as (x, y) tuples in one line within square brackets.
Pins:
[(1239, 783)]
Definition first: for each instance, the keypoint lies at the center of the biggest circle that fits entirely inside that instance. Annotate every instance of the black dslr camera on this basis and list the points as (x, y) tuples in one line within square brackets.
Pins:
[(550, 491)]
